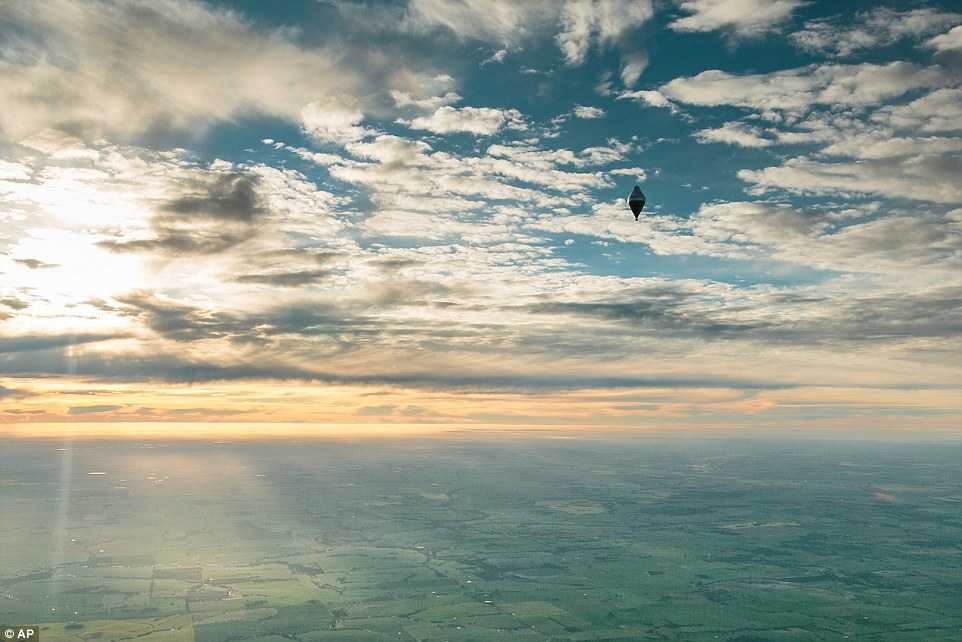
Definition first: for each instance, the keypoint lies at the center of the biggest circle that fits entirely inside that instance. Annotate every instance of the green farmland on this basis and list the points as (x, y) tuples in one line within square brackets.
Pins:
[(522, 538)]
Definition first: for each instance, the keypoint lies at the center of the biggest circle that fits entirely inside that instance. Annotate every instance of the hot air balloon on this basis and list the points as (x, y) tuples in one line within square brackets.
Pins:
[(636, 201)]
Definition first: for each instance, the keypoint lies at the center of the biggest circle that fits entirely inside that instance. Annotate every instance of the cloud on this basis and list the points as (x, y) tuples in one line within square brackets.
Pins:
[(423, 257), (86, 410), (579, 26), (430, 103), (219, 212), (581, 111), (880, 145), (734, 134), (879, 27), (951, 41), (843, 241), (503, 21), (335, 120), (744, 18), (34, 264), (13, 171), (423, 192), (928, 178), (128, 68), (652, 98), (12, 393), (37, 342), (800, 89), (937, 111), (481, 121), (496, 58), (607, 23), (288, 279)]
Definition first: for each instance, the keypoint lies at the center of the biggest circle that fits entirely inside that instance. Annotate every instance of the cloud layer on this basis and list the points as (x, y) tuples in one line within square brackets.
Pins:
[(192, 195)]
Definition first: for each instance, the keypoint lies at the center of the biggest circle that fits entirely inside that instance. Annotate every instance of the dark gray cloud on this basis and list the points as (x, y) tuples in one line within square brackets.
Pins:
[(13, 393), (216, 212), (224, 197), (176, 321), (287, 279), (932, 313), (652, 317), (791, 317), (89, 410), (14, 303), (36, 342), (34, 264)]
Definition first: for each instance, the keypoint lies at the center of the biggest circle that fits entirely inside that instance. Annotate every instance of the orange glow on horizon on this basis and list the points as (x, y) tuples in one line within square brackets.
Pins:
[(351, 431), (245, 431)]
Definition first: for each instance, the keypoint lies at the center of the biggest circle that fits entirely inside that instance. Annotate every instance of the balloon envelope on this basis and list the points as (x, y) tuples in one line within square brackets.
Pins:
[(636, 201)]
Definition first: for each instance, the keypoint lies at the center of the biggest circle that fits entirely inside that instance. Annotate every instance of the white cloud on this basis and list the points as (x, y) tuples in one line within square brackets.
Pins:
[(938, 111), (734, 134), (481, 121), (577, 22), (873, 29), (14, 171), (743, 17), (652, 98), (801, 89), (638, 173), (607, 23), (929, 178), (393, 150), (496, 58), (580, 25), (760, 224), (333, 121), (951, 41), (127, 67), (878, 145), (405, 99), (863, 240), (399, 223), (581, 111)]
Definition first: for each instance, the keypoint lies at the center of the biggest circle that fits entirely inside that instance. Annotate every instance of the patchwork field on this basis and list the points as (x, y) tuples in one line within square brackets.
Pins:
[(527, 538)]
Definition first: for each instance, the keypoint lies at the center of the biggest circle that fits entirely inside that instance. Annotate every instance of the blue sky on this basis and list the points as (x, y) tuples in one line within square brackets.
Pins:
[(414, 211)]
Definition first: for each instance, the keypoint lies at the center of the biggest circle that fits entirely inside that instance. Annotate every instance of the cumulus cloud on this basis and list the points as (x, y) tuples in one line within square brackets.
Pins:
[(734, 134), (650, 97), (582, 111), (333, 120), (481, 121), (950, 41), (745, 18)]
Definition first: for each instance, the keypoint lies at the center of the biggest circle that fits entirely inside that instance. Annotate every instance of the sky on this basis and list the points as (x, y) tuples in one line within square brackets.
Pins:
[(412, 212)]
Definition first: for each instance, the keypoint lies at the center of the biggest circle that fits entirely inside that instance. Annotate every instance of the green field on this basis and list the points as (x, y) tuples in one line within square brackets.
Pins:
[(475, 538)]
